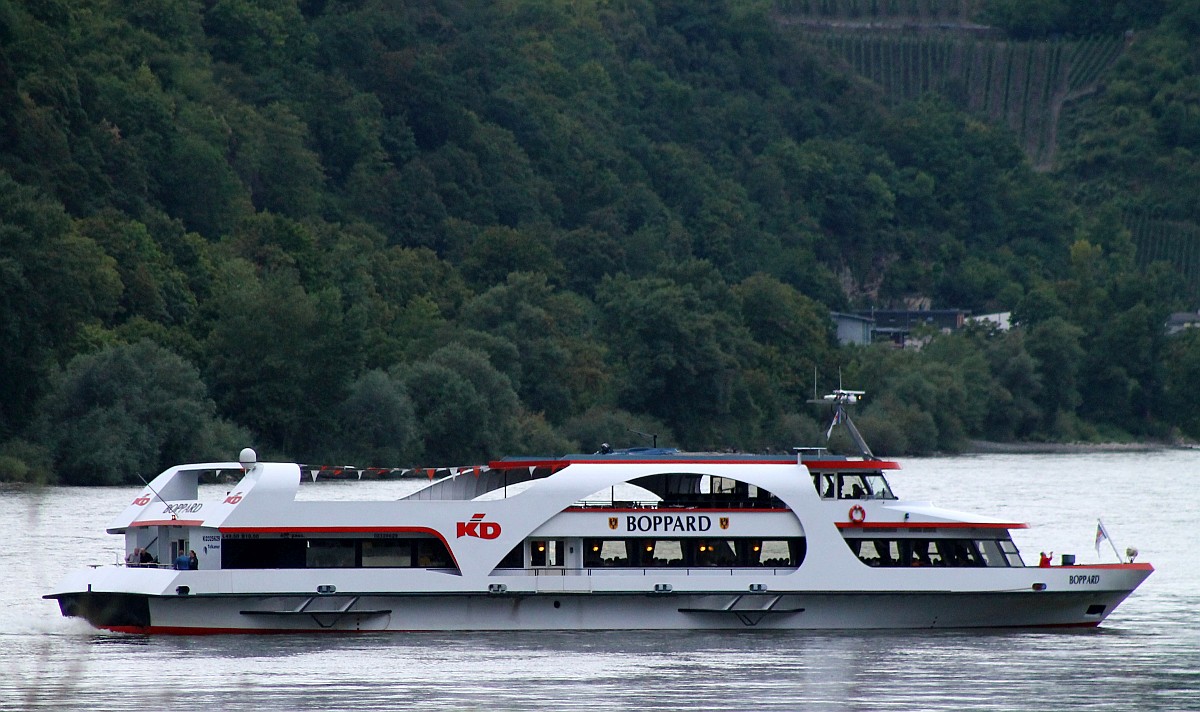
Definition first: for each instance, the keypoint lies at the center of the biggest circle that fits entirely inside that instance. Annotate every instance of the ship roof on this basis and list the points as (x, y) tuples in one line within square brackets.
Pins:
[(813, 458)]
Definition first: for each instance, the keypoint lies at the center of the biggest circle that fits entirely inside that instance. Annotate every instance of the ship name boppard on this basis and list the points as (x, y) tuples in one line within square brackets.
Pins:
[(668, 523)]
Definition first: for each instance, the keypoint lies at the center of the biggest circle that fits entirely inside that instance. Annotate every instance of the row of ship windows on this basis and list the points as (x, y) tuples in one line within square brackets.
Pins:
[(334, 553), (647, 553), (936, 552), (316, 553)]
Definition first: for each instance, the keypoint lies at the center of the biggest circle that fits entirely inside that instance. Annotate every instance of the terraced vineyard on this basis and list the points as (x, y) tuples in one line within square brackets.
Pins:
[(1166, 240), (913, 47), (922, 9)]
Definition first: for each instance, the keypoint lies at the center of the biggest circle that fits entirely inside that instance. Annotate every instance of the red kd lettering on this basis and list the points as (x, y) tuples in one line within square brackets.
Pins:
[(478, 528)]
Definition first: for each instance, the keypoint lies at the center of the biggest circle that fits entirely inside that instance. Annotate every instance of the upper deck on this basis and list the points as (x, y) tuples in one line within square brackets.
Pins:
[(812, 458)]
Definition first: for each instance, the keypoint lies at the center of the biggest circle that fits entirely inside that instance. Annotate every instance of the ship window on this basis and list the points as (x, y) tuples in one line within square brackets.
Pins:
[(989, 549), (330, 554), (387, 553), (713, 552), (431, 553), (605, 552), (875, 552), (958, 552), (547, 552), (514, 559), (782, 552), (262, 553), (663, 552), (852, 487), (877, 487), (722, 485), (1011, 553)]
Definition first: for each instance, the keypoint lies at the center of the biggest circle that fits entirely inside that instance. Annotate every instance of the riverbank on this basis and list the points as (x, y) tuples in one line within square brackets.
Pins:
[(981, 447)]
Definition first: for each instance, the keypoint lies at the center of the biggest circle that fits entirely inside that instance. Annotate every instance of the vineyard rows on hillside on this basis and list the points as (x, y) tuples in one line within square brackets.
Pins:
[(1020, 84)]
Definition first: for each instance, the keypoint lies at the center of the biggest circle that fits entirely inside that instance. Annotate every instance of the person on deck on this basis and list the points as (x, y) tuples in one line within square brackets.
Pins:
[(1044, 562), (182, 562)]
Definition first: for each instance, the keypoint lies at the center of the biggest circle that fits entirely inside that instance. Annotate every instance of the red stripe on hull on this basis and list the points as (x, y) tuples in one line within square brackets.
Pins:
[(932, 525), (840, 465)]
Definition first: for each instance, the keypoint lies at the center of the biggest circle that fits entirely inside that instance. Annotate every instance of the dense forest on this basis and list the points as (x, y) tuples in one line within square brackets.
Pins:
[(430, 232)]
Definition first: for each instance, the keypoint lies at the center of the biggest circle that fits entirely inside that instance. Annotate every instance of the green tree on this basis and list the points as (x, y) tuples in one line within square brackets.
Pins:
[(498, 251), (1014, 405), (53, 282), (154, 288), (1055, 345), (273, 159), (792, 331), (258, 35), (549, 331), (375, 423), (131, 410), (1181, 367), (677, 357), (279, 358), (466, 410)]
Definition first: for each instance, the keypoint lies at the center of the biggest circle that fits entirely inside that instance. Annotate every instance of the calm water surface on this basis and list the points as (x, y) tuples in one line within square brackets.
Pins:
[(1145, 657)]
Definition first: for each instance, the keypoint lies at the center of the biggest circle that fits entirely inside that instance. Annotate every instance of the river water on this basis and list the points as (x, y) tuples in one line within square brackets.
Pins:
[(1146, 656)]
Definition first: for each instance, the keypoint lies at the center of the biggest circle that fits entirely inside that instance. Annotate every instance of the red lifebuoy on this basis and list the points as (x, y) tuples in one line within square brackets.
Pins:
[(858, 515)]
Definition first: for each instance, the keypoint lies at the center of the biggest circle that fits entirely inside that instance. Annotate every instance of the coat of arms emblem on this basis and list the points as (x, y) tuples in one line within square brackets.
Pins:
[(724, 522), (612, 522)]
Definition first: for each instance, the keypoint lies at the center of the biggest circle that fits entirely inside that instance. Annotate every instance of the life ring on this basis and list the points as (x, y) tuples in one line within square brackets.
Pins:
[(858, 515)]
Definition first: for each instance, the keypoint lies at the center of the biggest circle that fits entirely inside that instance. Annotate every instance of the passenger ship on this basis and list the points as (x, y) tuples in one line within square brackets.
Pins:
[(717, 541)]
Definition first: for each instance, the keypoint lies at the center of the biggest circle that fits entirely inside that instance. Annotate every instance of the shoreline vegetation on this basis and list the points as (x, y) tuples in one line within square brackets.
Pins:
[(437, 233), (986, 447)]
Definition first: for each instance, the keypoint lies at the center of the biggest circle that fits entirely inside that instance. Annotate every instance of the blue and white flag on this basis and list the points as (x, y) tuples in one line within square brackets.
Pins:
[(1101, 535)]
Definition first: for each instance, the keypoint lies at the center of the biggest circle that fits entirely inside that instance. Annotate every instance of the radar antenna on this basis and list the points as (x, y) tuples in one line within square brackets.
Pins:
[(839, 399)]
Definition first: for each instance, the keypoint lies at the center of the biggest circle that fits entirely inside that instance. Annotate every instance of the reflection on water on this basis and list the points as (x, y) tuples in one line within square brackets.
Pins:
[(1146, 656)]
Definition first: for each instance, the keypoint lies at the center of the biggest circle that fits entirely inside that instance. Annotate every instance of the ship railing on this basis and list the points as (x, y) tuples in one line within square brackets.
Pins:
[(709, 503)]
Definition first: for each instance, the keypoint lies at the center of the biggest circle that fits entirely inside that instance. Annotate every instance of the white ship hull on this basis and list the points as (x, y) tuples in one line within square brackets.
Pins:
[(1059, 604)]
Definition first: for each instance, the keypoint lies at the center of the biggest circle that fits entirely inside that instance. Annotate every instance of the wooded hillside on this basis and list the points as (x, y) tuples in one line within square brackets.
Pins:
[(432, 232)]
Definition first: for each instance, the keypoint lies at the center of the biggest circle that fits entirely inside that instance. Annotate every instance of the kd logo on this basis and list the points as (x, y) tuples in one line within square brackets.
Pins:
[(478, 528)]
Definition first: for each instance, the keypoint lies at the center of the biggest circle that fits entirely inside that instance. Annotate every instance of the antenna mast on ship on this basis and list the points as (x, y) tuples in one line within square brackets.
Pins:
[(839, 399)]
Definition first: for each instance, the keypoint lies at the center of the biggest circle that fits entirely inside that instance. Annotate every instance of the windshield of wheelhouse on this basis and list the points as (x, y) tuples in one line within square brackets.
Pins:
[(852, 485)]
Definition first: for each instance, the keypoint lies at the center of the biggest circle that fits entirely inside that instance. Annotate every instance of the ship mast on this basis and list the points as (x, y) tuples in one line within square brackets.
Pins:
[(839, 399)]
